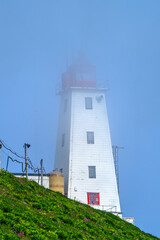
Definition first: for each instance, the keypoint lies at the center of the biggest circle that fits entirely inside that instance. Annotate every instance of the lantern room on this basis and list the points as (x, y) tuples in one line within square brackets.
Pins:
[(81, 74)]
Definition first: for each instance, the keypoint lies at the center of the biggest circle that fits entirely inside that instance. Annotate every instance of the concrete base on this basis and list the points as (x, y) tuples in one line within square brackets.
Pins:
[(129, 219)]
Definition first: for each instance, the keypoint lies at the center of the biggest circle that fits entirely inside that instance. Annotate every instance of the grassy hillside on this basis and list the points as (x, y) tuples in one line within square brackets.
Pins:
[(29, 211)]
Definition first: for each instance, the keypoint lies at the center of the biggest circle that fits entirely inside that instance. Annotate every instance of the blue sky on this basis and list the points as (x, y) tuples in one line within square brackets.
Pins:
[(122, 39)]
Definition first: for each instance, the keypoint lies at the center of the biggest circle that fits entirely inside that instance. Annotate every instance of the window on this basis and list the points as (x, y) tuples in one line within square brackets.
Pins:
[(93, 198), (63, 140), (92, 171), (90, 137), (65, 105), (88, 103)]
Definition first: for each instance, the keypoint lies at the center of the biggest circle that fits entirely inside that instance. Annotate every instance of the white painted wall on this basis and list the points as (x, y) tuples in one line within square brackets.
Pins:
[(77, 155), (62, 153)]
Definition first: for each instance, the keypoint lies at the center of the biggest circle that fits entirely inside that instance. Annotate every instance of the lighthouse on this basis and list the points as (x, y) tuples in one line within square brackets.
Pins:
[(84, 149)]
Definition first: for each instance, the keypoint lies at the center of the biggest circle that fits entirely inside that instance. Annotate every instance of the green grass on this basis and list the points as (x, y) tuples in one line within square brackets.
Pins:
[(29, 211)]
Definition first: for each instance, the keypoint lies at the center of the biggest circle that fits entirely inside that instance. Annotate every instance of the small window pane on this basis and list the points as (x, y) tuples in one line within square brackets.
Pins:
[(92, 171), (91, 198), (63, 140), (90, 137), (88, 103), (95, 198)]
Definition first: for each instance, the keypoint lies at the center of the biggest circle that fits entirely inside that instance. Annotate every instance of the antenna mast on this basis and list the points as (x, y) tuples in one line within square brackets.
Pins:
[(115, 150)]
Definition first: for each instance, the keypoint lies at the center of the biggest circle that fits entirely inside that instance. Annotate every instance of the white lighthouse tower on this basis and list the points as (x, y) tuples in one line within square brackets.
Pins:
[(84, 150)]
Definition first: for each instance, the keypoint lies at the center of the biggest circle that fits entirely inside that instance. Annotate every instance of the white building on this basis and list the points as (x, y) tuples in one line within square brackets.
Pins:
[(35, 177), (84, 150)]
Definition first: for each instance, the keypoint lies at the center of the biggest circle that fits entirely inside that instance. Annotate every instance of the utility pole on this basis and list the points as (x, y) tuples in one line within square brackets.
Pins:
[(41, 162), (26, 145), (38, 175), (0, 153)]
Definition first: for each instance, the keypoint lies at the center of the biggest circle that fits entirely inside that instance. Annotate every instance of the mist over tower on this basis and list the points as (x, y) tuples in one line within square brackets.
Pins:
[(84, 150)]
